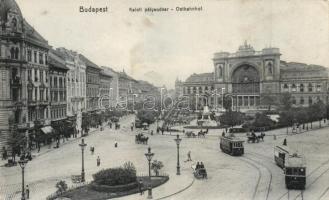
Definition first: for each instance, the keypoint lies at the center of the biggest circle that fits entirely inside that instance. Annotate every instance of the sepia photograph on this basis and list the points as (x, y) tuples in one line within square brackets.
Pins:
[(164, 99)]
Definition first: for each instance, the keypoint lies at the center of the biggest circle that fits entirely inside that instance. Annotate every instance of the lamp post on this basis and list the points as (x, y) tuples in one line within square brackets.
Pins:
[(223, 99), (149, 156), (82, 145), (22, 164), (178, 140)]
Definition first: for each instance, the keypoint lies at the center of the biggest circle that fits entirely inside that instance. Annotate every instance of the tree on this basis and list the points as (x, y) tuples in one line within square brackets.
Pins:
[(156, 166), (227, 104), (262, 120), (269, 100), (231, 118), (61, 186)]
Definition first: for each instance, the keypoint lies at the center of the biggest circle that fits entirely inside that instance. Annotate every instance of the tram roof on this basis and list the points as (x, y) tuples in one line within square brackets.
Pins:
[(233, 139), (295, 161), (283, 148)]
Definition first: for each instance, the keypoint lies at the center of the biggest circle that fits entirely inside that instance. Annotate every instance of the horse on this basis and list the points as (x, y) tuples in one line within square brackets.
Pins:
[(261, 136), (190, 134), (202, 133)]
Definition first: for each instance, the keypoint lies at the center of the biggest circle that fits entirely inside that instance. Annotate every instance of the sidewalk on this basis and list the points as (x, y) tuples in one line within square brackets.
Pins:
[(175, 185)]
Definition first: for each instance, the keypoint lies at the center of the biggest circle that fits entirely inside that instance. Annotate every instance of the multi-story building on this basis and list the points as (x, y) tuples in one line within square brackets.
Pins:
[(105, 89), (248, 75), (57, 77), (75, 81), (23, 73), (92, 84), (114, 89)]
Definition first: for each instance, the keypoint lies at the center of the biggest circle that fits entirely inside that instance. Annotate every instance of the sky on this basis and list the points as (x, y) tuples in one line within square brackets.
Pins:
[(159, 47)]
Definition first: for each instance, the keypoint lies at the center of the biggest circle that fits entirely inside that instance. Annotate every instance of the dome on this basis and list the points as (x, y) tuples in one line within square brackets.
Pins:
[(6, 6)]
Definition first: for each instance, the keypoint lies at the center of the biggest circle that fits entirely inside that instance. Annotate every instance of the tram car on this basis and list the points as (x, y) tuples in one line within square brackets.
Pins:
[(231, 145), (295, 172), (281, 152)]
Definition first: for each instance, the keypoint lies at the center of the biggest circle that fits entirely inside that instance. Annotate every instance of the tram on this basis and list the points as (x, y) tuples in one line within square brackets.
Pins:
[(295, 172), (281, 152), (231, 145)]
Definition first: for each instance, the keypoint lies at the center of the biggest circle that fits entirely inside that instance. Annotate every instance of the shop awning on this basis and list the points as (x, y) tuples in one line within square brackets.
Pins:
[(47, 129)]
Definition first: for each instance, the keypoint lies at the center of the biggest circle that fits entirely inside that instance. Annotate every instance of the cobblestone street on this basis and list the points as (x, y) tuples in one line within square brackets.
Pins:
[(254, 175)]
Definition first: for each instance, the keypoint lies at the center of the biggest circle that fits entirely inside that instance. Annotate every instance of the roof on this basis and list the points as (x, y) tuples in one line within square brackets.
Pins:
[(105, 73), (295, 161), (55, 60), (6, 6), (88, 62), (125, 76), (203, 78), (34, 36)]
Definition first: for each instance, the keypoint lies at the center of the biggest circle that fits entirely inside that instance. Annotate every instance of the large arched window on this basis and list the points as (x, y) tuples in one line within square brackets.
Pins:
[(293, 88), (301, 87), (285, 87), (245, 79)]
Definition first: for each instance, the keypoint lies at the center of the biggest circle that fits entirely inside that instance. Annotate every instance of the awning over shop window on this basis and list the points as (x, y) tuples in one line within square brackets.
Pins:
[(47, 129)]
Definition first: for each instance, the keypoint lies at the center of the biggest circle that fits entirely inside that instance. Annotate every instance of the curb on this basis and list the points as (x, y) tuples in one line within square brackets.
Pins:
[(180, 191)]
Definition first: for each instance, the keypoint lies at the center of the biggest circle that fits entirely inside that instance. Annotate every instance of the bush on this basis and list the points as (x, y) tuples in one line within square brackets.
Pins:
[(61, 187), (116, 176)]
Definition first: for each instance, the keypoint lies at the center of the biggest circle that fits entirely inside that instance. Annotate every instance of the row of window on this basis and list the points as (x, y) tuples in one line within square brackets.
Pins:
[(195, 90), (302, 100), (33, 95), (92, 92), (58, 113), (57, 82), (38, 75), (38, 58), (302, 88), (37, 114), (58, 96)]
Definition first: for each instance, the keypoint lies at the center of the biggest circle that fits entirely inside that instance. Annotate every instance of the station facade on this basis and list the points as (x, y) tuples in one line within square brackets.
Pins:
[(246, 76)]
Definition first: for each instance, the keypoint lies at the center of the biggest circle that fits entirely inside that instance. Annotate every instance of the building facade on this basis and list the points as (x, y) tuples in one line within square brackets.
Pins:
[(114, 89), (105, 90), (24, 88), (75, 81), (57, 77), (92, 84), (248, 75)]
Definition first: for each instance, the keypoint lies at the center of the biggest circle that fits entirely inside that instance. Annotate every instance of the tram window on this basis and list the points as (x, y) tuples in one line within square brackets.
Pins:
[(288, 170), (281, 155)]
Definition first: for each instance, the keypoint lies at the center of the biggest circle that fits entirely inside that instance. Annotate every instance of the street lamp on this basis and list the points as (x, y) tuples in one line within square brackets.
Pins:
[(223, 99), (22, 164), (178, 140), (82, 145), (149, 156)]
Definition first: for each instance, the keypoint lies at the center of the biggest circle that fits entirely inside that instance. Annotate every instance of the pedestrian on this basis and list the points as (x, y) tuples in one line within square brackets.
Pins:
[(162, 130), (285, 142), (140, 187), (132, 128), (225, 130), (201, 165), (189, 156), (27, 192), (223, 134), (115, 144), (98, 161), (197, 165)]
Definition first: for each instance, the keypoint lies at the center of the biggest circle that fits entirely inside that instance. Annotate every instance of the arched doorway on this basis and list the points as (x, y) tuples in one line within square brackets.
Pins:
[(245, 80), (245, 87)]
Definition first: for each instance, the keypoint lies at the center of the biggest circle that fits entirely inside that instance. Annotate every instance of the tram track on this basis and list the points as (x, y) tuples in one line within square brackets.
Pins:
[(257, 165)]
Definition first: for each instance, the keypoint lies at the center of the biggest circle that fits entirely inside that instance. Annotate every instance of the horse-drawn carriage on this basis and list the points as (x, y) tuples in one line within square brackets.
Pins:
[(254, 137), (202, 133), (199, 172), (141, 139)]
